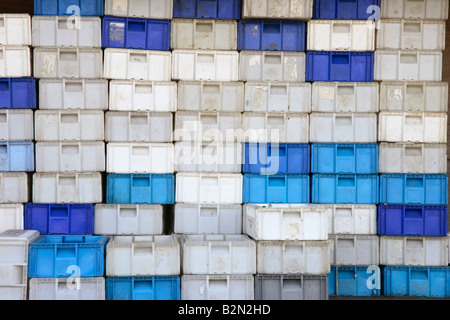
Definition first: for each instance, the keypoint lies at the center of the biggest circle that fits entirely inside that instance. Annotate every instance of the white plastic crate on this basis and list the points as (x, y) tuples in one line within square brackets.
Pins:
[(15, 29), (15, 61), (128, 126), (223, 188), (67, 188), (217, 287), (404, 65), (415, 127), (63, 31), (285, 222), (274, 9), (69, 125), (272, 66), (133, 95), (16, 125), (84, 94), (413, 158), (345, 97), (351, 218), (205, 218), (64, 289), (218, 254), (129, 219), (409, 9), (11, 216), (341, 35), (130, 158), (354, 250), (414, 251), (208, 34), (288, 257), (142, 256), (414, 96), (150, 9), (273, 96), (87, 156), (14, 187), (129, 64), (210, 96), (79, 63), (343, 127), (206, 65)]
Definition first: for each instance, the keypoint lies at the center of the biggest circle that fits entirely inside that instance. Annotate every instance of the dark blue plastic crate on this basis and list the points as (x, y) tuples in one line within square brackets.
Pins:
[(143, 288), (287, 188), (17, 93), (65, 256), (425, 189), (140, 188), (274, 158), (135, 33), (354, 281), (17, 156), (69, 7), (339, 66), (59, 219), (345, 9), (280, 35), (345, 188), (344, 158), (207, 9)]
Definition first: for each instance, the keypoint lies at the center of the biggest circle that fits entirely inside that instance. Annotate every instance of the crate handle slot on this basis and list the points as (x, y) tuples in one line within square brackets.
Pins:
[(275, 121), (407, 58), (412, 151), (210, 181), (345, 243), (414, 243), (73, 87), (271, 28), (142, 285), (341, 28), (138, 57), (208, 212), (206, 119), (217, 283), (143, 89), (343, 120), (292, 284), (413, 120), (136, 26), (67, 181), (346, 90), (4, 149), (346, 151), (211, 89), (140, 150), (141, 181), (143, 251), (128, 212), (419, 275), (413, 214), (63, 23), (69, 118), (414, 89), (279, 151), (346, 182), (70, 149), (65, 253), (204, 27), (219, 250), (4, 85), (3, 117), (138, 120), (205, 58), (59, 212), (343, 212), (414, 182), (411, 27), (279, 90), (272, 59), (340, 59), (277, 182), (2, 22), (68, 56)]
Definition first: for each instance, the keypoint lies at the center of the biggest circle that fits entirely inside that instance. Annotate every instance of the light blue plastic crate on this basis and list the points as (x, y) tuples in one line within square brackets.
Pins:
[(17, 156), (143, 288), (354, 281), (69, 7)]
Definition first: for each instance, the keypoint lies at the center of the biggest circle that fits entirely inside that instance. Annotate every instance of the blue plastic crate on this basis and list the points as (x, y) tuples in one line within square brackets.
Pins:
[(280, 35), (69, 7), (17, 156), (59, 219), (339, 66), (425, 189), (354, 281), (344, 9), (17, 93), (344, 158), (345, 188), (207, 9), (65, 256), (276, 158), (280, 188), (135, 33), (140, 188), (143, 288)]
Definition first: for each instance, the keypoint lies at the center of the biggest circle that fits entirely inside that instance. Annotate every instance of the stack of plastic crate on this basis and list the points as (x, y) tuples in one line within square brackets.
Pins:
[(344, 150), (412, 216)]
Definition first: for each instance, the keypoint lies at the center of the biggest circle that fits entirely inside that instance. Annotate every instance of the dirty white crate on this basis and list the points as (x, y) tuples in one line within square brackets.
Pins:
[(14, 187), (288, 257), (64, 31), (416, 127), (207, 65), (129, 158), (15, 29), (272, 66), (404, 65), (343, 127), (414, 96), (270, 96), (14, 263), (205, 218), (128, 126), (15, 61), (341, 35), (413, 158), (150, 9), (133, 95), (76, 156), (16, 125), (351, 218), (208, 34), (218, 254), (223, 188), (128, 64), (11, 216), (425, 9), (414, 251), (403, 34), (129, 219), (143, 256), (285, 222), (69, 125), (217, 287), (345, 97), (275, 9), (354, 250), (79, 63), (63, 289), (211, 96), (63, 94), (67, 187)]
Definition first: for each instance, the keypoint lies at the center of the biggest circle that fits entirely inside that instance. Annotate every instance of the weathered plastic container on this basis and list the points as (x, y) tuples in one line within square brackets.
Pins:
[(18, 93), (350, 10), (14, 187), (217, 287), (143, 288), (271, 9), (59, 289), (152, 9), (351, 218), (11, 217), (352, 281), (207, 9), (354, 250), (15, 61), (17, 156), (15, 29), (69, 7), (142, 256), (427, 9), (9, 128)]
